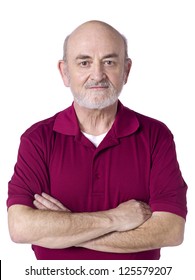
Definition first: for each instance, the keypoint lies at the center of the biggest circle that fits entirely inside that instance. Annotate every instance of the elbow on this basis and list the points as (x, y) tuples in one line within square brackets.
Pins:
[(171, 228), (16, 226), (15, 237), (176, 236), (177, 239), (15, 232)]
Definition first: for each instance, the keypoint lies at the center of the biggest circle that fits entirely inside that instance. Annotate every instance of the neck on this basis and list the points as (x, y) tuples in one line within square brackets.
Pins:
[(95, 121)]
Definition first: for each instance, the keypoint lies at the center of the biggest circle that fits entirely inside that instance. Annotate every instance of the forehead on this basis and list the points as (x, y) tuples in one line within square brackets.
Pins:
[(95, 39)]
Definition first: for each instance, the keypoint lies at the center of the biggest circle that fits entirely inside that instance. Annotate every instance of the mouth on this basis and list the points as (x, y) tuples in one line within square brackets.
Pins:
[(98, 87)]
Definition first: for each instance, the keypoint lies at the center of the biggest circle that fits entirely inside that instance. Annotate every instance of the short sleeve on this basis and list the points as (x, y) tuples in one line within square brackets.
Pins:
[(30, 173), (167, 186)]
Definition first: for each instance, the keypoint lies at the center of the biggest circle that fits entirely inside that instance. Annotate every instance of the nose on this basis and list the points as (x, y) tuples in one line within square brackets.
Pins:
[(97, 72)]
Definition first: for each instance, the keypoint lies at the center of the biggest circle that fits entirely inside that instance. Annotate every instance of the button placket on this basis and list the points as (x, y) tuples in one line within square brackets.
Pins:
[(98, 184), (98, 170)]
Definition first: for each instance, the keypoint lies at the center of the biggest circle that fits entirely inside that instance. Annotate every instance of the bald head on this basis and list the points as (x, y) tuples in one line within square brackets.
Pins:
[(95, 65), (91, 30)]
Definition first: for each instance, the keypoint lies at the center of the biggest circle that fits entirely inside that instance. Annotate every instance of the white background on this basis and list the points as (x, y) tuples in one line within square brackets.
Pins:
[(161, 85)]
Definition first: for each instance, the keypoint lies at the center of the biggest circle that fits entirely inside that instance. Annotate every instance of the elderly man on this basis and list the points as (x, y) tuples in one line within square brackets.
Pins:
[(97, 180)]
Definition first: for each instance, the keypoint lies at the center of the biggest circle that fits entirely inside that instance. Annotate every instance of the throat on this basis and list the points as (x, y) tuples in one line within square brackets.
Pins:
[(95, 131), (96, 127), (96, 122)]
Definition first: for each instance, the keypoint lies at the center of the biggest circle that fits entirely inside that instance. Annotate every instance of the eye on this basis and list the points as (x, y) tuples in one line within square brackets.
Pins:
[(109, 62), (84, 63)]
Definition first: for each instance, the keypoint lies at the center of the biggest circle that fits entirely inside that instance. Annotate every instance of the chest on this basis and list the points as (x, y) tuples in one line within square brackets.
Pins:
[(87, 179)]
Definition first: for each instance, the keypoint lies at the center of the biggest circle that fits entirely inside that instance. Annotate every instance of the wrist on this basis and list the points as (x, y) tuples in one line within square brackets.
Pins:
[(112, 220)]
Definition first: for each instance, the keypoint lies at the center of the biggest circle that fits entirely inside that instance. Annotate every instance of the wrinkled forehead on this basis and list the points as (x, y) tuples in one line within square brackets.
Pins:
[(95, 37)]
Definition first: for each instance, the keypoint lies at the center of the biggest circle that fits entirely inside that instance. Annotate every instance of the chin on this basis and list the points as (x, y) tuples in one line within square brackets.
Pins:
[(96, 103)]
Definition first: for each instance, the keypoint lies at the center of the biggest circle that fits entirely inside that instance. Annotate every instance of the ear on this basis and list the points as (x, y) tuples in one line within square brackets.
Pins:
[(62, 66), (128, 65)]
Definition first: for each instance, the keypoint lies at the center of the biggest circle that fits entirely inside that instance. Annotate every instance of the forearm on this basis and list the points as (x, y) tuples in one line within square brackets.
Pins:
[(56, 229), (159, 231), (52, 225)]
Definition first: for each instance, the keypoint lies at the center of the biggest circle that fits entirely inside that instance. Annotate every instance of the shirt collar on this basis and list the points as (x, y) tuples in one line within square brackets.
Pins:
[(66, 122), (125, 123)]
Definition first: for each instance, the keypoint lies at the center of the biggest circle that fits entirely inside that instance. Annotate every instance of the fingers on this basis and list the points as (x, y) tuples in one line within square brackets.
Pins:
[(131, 214), (44, 204), (47, 202), (55, 202), (38, 205)]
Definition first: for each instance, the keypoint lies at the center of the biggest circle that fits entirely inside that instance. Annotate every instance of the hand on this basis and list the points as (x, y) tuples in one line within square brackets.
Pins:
[(47, 202), (126, 216), (130, 214)]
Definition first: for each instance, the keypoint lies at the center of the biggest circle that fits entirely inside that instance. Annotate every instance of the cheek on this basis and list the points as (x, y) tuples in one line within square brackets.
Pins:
[(75, 80), (117, 79), (78, 77)]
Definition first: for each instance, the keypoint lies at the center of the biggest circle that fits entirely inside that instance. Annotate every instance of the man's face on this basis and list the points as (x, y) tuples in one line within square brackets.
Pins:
[(96, 68)]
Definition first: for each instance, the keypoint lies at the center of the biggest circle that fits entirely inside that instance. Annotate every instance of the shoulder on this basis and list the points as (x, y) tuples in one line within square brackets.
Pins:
[(151, 123), (38, 138), (43, 127), (149, 128), (155, 132), (144, 121), (45, 131)]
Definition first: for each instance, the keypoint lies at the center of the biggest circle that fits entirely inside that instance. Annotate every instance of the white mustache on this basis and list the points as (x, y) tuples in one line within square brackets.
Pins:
[(97, 84)]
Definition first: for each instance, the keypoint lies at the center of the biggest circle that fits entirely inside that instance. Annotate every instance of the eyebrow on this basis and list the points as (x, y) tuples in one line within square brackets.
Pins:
[(83, 56)]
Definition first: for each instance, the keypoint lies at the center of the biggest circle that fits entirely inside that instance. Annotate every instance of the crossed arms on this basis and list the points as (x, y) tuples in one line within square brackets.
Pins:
[(130, 227)]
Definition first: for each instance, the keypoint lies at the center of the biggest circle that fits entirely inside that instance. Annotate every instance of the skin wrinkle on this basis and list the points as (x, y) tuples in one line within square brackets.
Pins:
[(110, 86)]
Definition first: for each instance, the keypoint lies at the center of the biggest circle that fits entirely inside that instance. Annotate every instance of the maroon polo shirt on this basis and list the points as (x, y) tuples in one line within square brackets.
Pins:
[(136, 160)]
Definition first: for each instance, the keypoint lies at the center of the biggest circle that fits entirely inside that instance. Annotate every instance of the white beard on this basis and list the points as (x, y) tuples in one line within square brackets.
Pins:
[(99, 99)]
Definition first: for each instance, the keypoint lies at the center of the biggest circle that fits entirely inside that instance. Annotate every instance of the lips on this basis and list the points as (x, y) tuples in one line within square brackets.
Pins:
[(101, 85)]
